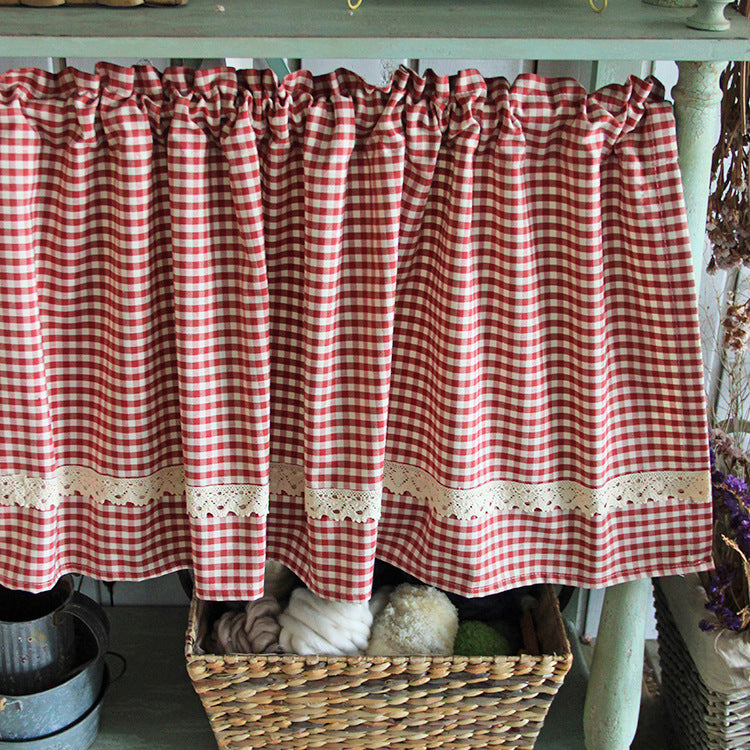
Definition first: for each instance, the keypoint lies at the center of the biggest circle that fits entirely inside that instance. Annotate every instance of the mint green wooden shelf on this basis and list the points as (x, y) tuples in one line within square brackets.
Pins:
[(433, 29), (476, 29)]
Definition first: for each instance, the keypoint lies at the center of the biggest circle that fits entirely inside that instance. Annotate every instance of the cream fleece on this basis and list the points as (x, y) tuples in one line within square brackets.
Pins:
[(416, 620)]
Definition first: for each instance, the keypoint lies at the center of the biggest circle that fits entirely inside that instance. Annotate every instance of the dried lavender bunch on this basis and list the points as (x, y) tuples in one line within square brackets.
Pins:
[(728, 585), (717, 584)]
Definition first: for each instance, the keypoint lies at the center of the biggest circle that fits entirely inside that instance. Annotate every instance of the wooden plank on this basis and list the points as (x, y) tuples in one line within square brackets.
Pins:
[(581, 70), (618, 71), (387, 29)]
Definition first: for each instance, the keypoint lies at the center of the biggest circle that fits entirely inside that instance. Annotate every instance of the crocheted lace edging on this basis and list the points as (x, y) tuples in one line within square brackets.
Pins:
[(45, 493), (504, 496), (357, 504)]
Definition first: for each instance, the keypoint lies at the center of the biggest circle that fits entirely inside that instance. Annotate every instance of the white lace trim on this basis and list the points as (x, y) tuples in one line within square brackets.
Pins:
[(287, 479), (552, 497), (499, 496), (221, 500), (331, 502), (43, 493), (360, 504), (352, 505)]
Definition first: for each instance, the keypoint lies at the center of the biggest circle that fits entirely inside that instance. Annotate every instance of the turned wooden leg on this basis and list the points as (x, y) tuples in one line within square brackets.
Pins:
[(697, 105), (613, 697), (710, 16)]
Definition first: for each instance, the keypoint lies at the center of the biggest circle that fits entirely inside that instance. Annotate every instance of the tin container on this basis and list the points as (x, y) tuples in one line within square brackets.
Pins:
[(37, 635), (78, 736), (25, 717)]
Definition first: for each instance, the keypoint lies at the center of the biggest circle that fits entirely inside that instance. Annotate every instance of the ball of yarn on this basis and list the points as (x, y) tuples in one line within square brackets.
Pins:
[(312, 625), (417, 620), (475, 638), (253, 630)]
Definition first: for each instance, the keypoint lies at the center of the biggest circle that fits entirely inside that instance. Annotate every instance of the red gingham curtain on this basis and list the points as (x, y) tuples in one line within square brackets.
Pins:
[(449, 323)]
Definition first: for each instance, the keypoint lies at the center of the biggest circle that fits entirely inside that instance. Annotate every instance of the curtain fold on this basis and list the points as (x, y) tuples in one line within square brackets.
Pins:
[(448, 322)]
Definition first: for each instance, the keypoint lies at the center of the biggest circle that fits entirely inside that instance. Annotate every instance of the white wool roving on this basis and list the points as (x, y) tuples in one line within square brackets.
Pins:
[(416, 620), (311, 625)]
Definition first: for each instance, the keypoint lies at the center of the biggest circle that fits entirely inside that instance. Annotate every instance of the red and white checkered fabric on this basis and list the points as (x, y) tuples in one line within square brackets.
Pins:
[(450, 323)]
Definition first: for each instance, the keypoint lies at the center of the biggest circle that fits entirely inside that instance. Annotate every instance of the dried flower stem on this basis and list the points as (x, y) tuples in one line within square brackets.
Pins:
[(728, 205), (736, 325)]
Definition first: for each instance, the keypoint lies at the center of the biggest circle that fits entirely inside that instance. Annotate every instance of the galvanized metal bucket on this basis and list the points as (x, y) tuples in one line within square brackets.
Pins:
[(37, 635), (26, 717), (78, 736)]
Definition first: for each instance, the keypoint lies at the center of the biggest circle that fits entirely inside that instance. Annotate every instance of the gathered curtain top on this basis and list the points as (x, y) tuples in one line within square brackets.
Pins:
[(450, 320), (466, 104)]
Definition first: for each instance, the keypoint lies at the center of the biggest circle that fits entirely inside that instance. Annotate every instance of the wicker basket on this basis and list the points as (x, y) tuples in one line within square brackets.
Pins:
[(292, 702), (702, 718)]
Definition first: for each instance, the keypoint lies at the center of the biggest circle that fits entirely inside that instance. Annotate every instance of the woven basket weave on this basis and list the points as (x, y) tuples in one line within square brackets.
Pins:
[(702, 718), (290, 702)]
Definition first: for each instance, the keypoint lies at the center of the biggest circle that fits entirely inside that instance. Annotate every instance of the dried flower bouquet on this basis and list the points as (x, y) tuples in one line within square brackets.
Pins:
[(728, 585)]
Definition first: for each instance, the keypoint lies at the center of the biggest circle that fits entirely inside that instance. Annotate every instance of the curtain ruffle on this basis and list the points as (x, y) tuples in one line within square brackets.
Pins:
[(309, 297)]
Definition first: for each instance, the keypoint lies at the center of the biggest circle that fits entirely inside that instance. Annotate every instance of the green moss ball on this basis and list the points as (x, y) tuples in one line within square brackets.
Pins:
[(475, 638)]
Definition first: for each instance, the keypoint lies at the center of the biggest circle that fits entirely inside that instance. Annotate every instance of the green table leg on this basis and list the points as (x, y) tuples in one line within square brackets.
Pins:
[(613, 696), (697, 98)]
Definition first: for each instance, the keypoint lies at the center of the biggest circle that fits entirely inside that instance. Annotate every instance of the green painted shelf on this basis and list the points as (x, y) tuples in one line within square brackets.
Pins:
[(434, 29), (476, 29)]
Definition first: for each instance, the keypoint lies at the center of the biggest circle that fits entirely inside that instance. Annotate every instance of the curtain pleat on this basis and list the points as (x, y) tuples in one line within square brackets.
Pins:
[(448, 322)]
